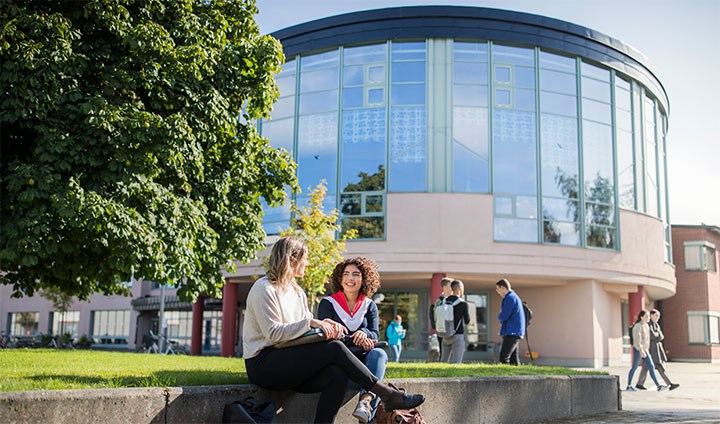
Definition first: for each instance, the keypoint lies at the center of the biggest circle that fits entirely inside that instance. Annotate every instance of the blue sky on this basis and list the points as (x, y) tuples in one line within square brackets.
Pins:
[(680, 37)]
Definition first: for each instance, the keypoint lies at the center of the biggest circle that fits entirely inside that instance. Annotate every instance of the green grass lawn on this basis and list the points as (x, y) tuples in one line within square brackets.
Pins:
[(49, 369)]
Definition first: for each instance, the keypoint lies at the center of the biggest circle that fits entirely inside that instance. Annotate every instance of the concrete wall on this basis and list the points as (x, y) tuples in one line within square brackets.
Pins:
[(454, 400)]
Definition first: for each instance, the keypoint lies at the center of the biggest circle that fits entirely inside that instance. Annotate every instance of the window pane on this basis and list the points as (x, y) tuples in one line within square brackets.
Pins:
[(353, 97), (353, 75), (594, 89), (693, 258), (408, 94), (470, 150), (470, 73), (470, 51), (365, 54), (556, 62), (696, 329), (319, 61), (470, 95), (524, 76), (408, 51), (513, 55), (286, 85), (559, 82), (325, 79), (514, 152), (559, 104), (408, 153), (408, 72), (319, 102)]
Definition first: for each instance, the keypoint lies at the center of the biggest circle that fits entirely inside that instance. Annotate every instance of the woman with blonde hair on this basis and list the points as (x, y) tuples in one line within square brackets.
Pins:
[(277, 311)]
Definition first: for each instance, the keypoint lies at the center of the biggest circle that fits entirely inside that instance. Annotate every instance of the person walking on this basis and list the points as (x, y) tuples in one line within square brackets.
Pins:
[(453, 348), (641, 350), (657, 353), (512, 323), (395, 333), (354, 281), (277, 311)]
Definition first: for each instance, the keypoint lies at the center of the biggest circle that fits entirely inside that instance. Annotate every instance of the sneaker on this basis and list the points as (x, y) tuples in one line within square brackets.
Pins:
[(674, 386), (661, 388), (640, 387), (630, 389), (363, 411)]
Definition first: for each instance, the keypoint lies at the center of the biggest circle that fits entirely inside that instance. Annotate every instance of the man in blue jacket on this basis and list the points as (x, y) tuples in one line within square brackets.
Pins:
[(512, 323)]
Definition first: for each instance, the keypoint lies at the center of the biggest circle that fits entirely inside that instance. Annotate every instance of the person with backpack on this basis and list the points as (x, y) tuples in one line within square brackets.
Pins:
[(512, 323), (446, 291), (451, 318), (640, 341)]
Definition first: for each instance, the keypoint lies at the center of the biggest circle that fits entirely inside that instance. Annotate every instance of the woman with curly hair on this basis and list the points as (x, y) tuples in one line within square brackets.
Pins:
[(277, 311), (354, 281)]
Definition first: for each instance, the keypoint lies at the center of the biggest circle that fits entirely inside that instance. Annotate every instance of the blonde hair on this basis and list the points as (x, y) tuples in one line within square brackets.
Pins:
[(286, 253)]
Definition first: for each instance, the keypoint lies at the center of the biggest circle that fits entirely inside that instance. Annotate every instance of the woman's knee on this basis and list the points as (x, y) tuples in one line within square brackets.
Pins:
[(377, 354)]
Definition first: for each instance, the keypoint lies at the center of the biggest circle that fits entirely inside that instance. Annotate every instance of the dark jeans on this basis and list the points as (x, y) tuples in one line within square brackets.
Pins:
[(323, 367), (509, 350)]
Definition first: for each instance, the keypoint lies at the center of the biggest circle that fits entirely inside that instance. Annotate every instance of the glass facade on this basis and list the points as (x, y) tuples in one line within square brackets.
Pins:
[(527, 126)]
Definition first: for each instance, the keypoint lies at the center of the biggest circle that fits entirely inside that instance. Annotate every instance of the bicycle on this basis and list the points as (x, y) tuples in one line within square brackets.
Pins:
[(5, 341), (150, 345)]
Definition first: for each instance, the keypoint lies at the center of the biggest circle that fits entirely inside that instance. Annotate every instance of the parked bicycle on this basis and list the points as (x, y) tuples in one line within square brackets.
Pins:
[(5, 341), (151, 344)]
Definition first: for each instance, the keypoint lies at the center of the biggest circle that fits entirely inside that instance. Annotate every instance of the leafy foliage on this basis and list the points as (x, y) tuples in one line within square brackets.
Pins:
[(125, 146), (318, 230)]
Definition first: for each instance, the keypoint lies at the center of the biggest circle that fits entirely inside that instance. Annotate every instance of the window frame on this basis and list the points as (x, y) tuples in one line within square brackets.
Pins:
[(706, 250), (708, 319)]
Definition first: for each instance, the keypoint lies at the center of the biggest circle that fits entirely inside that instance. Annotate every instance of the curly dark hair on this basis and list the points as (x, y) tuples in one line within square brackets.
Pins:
[(368, 269)]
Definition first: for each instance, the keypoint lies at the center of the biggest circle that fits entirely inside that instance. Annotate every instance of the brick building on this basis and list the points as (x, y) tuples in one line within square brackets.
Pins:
[(691, 318)]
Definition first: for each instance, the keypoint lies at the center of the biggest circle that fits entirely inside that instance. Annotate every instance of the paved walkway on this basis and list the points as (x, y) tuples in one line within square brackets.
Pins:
[(697, 400)]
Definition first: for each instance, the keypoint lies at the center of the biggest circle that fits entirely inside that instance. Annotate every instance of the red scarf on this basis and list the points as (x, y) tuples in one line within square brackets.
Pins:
[(342, 301)]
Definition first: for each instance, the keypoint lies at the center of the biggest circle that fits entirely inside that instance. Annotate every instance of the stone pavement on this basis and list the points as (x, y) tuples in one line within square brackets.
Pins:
[(697, 400)]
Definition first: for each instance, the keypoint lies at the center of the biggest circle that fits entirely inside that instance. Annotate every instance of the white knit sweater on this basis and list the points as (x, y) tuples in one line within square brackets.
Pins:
[(274, 314)]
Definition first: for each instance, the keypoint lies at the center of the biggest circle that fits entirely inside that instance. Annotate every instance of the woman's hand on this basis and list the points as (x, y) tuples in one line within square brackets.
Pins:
[(361, 339), (332, 329)]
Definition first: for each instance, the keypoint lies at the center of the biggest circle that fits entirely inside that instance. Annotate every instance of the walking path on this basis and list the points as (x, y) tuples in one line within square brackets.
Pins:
[(697, 400)]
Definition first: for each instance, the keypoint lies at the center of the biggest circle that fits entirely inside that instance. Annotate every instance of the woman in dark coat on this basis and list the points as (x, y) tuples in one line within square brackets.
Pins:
[(657, 352)]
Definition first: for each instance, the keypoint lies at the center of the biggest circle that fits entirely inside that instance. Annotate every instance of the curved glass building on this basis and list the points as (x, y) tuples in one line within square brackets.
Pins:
[(484, 144)]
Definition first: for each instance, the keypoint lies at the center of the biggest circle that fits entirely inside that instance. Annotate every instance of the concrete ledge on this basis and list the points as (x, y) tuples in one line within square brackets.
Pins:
[(449, 400)]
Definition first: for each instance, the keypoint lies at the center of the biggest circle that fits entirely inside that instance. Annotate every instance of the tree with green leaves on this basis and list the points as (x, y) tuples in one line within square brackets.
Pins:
[(128, 143), (318, 230)]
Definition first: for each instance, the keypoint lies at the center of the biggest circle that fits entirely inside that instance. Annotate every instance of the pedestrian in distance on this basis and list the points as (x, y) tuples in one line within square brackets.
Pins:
[(395, 333), (512, 323), (277, 311), (453, 348), (641, 350), (657, 353), (354, 281), (446, 291)]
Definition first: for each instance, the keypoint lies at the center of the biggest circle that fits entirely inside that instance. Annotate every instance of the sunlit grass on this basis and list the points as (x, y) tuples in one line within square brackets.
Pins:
[(49, 369)]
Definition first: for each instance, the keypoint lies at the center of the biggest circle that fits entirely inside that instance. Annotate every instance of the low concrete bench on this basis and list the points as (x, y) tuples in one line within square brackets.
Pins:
[(448, 400)]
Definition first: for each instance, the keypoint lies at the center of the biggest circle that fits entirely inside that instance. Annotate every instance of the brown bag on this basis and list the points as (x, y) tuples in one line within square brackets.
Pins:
[(398, 416)]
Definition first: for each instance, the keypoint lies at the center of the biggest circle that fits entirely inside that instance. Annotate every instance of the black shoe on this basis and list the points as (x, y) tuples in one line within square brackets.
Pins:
[(640, 387), (674, 386), (407, 402)]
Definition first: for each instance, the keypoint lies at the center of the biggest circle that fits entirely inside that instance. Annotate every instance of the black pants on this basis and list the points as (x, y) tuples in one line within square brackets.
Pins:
[(509, 350), (323, 367)]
